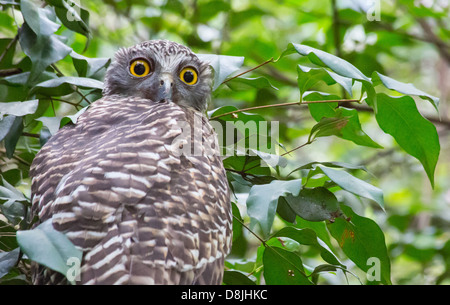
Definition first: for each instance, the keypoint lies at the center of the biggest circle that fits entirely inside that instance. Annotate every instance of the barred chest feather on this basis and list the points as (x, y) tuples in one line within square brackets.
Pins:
[(140, 187)]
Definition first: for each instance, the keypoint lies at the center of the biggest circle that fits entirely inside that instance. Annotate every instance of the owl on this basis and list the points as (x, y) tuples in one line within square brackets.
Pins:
[(137, 183)]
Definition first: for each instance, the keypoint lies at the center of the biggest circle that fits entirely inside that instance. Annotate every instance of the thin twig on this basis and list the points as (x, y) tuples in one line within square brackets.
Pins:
[(298, 147), (8, 47), (9, 72), (17, 158), (247, 71), (63, 101), (32, 135), (283, 105), (253, 233)]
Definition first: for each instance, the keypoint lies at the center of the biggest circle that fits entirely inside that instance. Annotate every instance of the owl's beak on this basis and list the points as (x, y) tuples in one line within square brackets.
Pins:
[(165, 87)]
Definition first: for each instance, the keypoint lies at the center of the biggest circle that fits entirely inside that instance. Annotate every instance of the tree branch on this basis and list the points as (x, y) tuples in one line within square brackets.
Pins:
[(444, 122), (283, 105), (247, 71), (9, 72)]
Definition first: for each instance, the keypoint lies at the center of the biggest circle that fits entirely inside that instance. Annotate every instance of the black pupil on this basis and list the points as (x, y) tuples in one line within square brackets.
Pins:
[(188, 76), (139, 69)]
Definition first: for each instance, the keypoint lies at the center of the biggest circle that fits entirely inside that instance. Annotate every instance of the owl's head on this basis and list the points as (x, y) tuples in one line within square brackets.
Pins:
[(159, 70)]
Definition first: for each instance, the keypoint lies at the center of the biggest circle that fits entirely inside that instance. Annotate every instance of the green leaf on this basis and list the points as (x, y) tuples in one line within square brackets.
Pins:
[(7, 191), (352, 131), (5, 125), (328, 127), (42, 50), (315, 204), (18, 108), (408, 89), (308, 77), (223, 66), (8, 241), (48, 247), (11, 128), (241, 116), (237, 223), (74, 118), (263, 200), (308, 237), (38, 18), (14, 211), (321, 58), (399, 117), (8, 260), (354, 185), (361, 239), (64, 85), (282, 267), (88, 67), (240, 83), (20, 80), (233, 277), (313, 164), (55, 123), (72, 15), (270, 159), (52, 123), (8, 57)]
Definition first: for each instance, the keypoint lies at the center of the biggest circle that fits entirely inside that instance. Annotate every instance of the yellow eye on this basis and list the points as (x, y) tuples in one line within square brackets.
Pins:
[(189, 76), (140, 68)]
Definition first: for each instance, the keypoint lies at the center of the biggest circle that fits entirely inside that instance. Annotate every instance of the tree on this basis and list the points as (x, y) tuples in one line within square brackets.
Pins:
[(331, 153)]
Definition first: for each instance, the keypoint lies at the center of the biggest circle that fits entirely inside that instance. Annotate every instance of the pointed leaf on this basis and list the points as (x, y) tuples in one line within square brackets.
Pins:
[(407, 89), (282, 267), (308, 77), (37, 18), (352, 131), (62, 85), (354, 185), (315, 204), (308, 237), (18, 108), (328, 127), (321, 58), (241, 83), (399, 117), (263, 200), (88, 67), (223, 66), (8, 260), (361, 239), (48, 247)]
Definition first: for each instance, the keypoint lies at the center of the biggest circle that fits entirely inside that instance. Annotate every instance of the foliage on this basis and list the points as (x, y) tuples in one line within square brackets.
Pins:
[(318, 68)]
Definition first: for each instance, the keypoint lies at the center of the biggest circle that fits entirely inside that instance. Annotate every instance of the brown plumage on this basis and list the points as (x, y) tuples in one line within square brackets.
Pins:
[(138, 185)]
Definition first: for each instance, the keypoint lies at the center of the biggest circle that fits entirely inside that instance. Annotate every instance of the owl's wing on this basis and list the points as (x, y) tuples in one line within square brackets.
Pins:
[(116, 185)]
